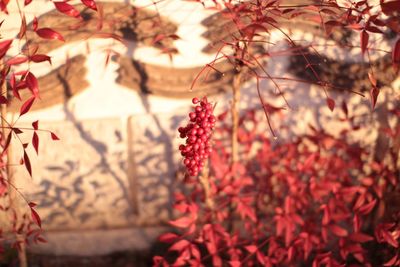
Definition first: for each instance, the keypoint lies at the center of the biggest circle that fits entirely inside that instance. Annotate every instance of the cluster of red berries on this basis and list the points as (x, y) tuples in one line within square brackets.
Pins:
[(198, 134)]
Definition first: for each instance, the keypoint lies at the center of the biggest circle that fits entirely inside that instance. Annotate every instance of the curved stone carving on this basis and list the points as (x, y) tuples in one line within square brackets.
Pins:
[(57, 86), (121, 19), (343, 76), (174, 82), (222, 29), (137, 25), (68, 80)]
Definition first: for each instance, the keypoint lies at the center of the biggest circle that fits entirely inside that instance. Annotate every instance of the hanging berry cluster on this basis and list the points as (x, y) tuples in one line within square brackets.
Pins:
[(198, 134)]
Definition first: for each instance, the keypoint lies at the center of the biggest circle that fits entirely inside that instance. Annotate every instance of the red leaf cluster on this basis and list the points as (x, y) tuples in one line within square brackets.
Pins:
[(316, 200)]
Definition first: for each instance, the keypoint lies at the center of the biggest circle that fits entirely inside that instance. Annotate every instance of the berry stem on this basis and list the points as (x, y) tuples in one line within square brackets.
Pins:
[(205, 183), (235, 115)]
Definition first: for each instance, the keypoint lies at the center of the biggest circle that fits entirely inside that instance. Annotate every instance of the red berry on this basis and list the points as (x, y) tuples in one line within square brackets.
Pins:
[(197, 133), (192, 116), (195, 100)]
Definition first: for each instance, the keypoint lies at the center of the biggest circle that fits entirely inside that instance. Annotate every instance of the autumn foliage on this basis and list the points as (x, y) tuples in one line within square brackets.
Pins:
[(318, 200), (16, 76)]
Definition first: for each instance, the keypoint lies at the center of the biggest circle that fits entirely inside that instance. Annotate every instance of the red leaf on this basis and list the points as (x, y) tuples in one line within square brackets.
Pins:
[(17, 130), (27, 2), (158, 38), (373, 29), (387, 236), (251, 29), (331, 103), (180, 245), (47, 33), (337, 230), (391, 262), (364, 37), (35, 125), (367, 208), (16, 60), (390, 7), (41, 239), (168, 237), (396, 55), (22, 29), (183, 222), (36, 218), (251, 248), (290, 253), (393, 23), (67, 9), (3, 100), (35, 142), (174, 36), (40, 58), (35, 24), (235, 263), (360, 237), (106, 35), (355, 26), (216, 260), (26, 106), (14, 87), (54, 136), (374, 92), (345, 109), (4, 46), (32, 84), (27, 163), (372, 78), (8, 141), (90, 4)]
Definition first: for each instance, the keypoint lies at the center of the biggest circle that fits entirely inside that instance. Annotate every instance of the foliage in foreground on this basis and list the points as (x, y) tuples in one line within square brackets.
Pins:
[(319, 200)]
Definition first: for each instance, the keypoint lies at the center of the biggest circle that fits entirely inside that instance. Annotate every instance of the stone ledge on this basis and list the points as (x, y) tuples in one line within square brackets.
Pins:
[(98, 242)]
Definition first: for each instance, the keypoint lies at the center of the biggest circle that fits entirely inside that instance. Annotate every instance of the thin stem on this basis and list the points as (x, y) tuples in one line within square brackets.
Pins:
[(205, 183), (235, 116), (10, 180)]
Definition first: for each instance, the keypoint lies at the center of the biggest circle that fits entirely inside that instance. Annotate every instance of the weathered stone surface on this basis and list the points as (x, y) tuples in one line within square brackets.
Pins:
[(156, 157), (81, 182), (104, 173)]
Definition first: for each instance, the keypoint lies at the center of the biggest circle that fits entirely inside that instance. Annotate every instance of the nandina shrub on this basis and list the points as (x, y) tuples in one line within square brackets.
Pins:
[(21, 224), (319, 200)]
